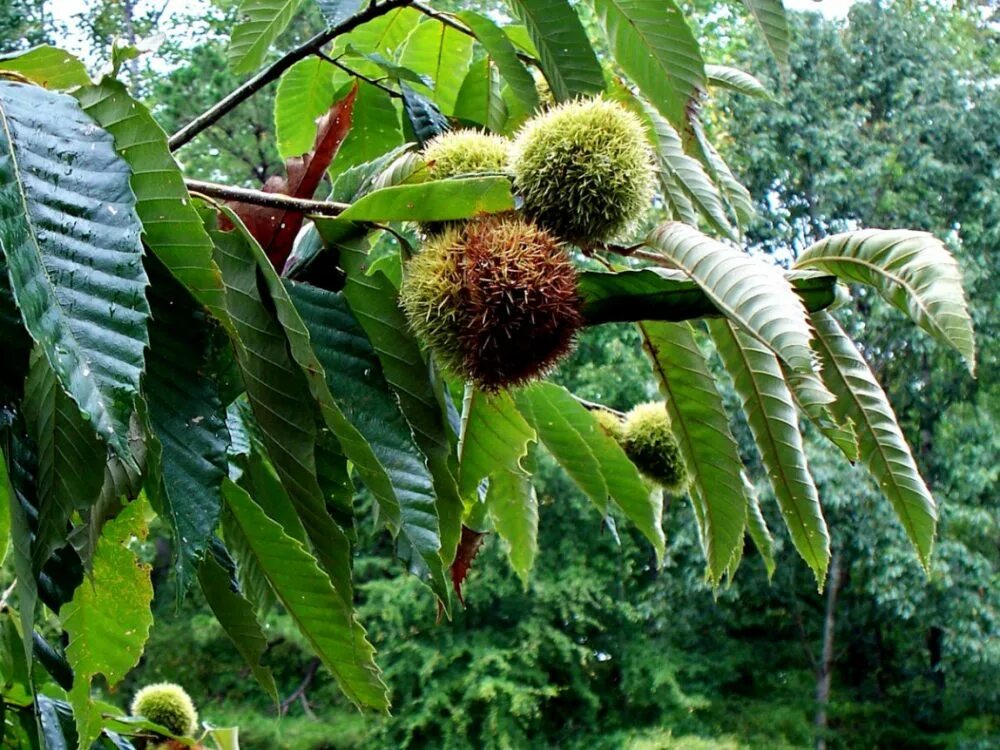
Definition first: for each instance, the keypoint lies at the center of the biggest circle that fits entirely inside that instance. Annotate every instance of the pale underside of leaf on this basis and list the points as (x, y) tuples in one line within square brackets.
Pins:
[(883, 447)]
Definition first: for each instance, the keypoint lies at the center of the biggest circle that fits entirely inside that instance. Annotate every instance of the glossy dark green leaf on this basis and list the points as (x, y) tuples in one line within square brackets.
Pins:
[(170, 225), (701, 427), (356, 381), (567, 59), (325, 620), (78, 280), (237, 618), (70, 457), (372, 299), (424, 117), (188, 420), (287, 415)]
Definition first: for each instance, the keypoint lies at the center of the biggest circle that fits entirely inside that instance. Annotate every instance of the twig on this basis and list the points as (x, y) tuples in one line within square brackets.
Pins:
[(357, 74), (300, 691), (447, 20), (594, 406), (6, 595), (274, 70), (268, 200)]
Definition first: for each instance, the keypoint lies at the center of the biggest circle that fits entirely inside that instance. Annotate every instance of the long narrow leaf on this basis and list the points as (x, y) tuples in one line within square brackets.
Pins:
[(750, 292), (884, 450), (770, 411), (702, 429), (912, 270)]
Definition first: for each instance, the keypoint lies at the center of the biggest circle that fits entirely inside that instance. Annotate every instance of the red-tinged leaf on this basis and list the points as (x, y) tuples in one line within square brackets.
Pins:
[(468, 547), (276, 229)]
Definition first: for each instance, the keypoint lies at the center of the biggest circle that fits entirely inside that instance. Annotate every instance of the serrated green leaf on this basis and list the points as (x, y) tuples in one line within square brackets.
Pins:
[(441, 53), (682, 170), (70, 457), (592, 458), (502, 51), (734, 79), (356, 382), (771, 414), (237, 618), (701, 427), (305, 92), (752, 293), (286, 416), (565, 53), (79, 281), (654, 45), (815, 399), (911, 270), (372, 299), (770, 16), (47, 66), (109, 617), (494, 438), (378, 129), (662, 294), (383, 35), (170, 225), (757, 527), (325, 620), (883, 448), (261, 22), (189, 440), (422, 116), (513, 508), (440, 200), (479, 100)]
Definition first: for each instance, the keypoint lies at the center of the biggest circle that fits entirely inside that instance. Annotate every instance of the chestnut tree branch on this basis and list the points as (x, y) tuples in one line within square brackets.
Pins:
[(260, 198), (273, 71)]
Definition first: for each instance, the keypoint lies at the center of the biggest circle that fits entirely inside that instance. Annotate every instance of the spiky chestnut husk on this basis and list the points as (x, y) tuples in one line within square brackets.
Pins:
[(648, 440), (610, 423), (584, 170), (495, 300), (459, 152), (168, 705)]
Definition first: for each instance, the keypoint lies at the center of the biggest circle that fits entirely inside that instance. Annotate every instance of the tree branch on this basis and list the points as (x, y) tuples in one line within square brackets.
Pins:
[(447, 20), (357, 74), (273, 72), (260, 198)]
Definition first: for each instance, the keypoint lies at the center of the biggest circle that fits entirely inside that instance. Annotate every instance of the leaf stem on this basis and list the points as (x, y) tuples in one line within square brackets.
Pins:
[(357, 74), (269, 200), (274, 70)]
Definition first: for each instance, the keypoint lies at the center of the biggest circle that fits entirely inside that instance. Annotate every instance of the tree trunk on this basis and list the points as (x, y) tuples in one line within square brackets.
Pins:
[(824, 672)]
